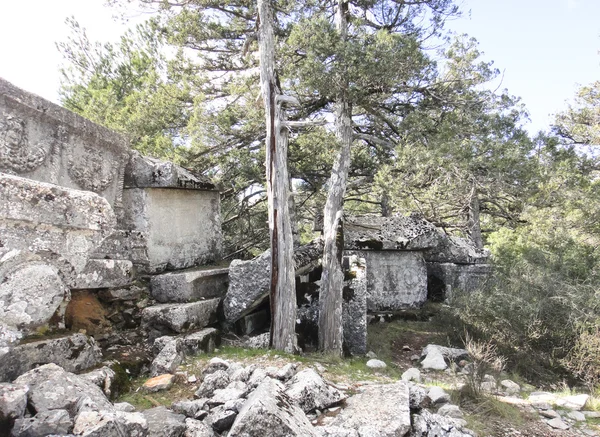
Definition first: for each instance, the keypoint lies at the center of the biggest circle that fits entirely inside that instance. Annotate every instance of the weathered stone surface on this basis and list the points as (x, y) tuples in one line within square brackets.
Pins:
[(412, 374), (220, 419), (249, 281), (450, 410), (233, 391), (169, 358), (196, 428), (42, 141), (32, 291), (510, 387), (133, 424), (204, 340), (52, 388), (190, 285), (426, 424), (418, 398), (449, 353), (376, 364), (102, 377), (159, 383), (269, 411), (558, 423), (91, 423), (13, 400), (212, 381), (134, 293), (354, 306), (434, 360), (438, 395), (105, 273), (43, 423), (125, 407), (196, 409), (383, 407), (179, 228), (311, 392), (465, 277), (456, 250), (574, 402), (286, 372), (335, 431), (162, 422), (147, 172), (389, 233), (395, 280), (179, 317), (75, 354)]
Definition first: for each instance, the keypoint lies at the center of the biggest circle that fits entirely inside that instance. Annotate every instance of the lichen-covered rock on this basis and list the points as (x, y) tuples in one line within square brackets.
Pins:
[(190, 284), (75, 354), (434, 360), (98, 424), (269, 411), (52, 388), (102, 377), (426, 424), (195, 409), (169, 358), (456, 250), (215, 364), (449, 353), (382, 407), (13, 400), (163, 422), (178, 318), (335, 431), (105, 273), (438, 395), (196, 428), (204, 340), (220, 419), (44, 423), (213, 381), (311, 392), (133, 424)]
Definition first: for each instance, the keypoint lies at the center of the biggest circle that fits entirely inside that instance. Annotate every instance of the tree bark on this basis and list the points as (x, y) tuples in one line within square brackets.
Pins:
[(283, 288), (332, 280), (474, 222)]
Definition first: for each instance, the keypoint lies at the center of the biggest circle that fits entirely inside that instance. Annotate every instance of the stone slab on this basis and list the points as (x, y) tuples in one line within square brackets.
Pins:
[(45, 142), (190, 285), (396, 280), (179, 317), (179, 228), (105, 273)]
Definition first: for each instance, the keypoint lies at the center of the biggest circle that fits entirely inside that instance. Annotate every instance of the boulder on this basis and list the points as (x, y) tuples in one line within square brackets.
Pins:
[(235, 390), (169, 358), (215, 364), (196, 428), (190, 285), (53, 388), (449, 353), (13, 400), (163, 422), (204, 340), (133, 424), (383, 407), (311, 392), (196, 409), (418, 398), (102, 377), (438, 395), (75, 354), (269, 411), (510, 387), (178, 318), (412, 374), (376, 364), (43, 423), (434, 360), (450, 410)]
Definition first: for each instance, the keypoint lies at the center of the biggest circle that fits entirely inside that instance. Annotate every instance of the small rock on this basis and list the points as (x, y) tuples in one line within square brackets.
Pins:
[(418, 398), (434, 361), (549, 414), (557, 423), (221, 419), (242, 374), (196, 409), (577, 416), (310, 391), (214, 365), (406, 348), (376, 364), (126, 407), (450, 410), (412, 374), (159, 383), (97, 424), (488, 386), (13, 400), (162, 422), (371, 355), (438, 395), (286, 372), (234, 405), (415, 357), (135, 424), (510, 387)]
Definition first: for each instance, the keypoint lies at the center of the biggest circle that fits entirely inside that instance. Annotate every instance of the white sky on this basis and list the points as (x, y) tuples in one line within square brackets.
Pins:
[(545, 47)]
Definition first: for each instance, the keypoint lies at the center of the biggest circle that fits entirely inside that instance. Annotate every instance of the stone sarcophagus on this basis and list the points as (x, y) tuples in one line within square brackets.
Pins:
[(44, 142)]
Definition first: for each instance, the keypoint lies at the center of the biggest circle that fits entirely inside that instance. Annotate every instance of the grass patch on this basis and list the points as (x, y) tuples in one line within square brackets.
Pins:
[(483, 413)]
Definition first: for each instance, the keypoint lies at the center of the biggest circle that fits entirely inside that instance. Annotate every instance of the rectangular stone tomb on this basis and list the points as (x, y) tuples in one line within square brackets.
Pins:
[(42, 141)]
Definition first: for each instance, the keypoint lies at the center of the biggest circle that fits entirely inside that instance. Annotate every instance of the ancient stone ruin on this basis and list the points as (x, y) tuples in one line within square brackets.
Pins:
[(108, 254)]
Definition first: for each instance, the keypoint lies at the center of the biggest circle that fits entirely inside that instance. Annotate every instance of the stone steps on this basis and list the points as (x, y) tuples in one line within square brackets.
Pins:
[(190, 285)]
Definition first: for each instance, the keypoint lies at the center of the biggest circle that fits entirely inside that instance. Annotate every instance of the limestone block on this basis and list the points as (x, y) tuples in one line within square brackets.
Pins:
[(179, 228), (204, 340), (389, 233), (42, 141), (162, 422), (180, 317), (105, 273), (384, 407), (395, 280), (311, 392), (75, 353), (41, 217), (54, 422), (465, 277), (190, 285), (452, 249), (147, 172)]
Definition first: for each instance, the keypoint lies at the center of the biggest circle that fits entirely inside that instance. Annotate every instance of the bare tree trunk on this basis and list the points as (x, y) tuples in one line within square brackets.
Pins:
[(474, 222), (283, 288), (332, 280)]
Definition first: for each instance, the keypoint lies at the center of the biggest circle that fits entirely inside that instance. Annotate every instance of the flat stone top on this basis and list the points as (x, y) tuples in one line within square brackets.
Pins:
[(52, 110), (146, 172), (389, 233)]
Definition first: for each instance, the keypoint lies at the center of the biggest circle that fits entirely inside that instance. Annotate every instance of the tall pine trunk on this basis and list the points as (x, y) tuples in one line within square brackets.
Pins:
[(332, 280), (283, 289)]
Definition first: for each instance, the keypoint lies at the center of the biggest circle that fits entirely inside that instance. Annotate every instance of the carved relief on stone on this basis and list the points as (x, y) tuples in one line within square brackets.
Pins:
[(89, 170), (17, 155)]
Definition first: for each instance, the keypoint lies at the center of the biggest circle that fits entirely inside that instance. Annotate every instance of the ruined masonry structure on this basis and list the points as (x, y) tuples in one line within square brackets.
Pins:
[(85, 221)]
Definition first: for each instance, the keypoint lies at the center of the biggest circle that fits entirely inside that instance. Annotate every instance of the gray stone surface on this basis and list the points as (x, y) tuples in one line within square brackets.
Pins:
[(269, 411), (510, 387), (335, 431), (426, 424), (558, 423), (13, 400), (465, 277), (311, 392), (438, 395), (220, 419), (169, 358), (163, 423), (190, 285), (418, 398), (434, 360), (133, 424), (450, 410), (196, 428), (32, 291), (179, 317), (102, 377), (412, 374), (389, 233), (43, 423), (178, 228), (91, 423), (105, 273), (196, 409), (450, 353), (452, 249), (376, 364), (204, 340), (41, 217), (75, 353), (383, 407), (212, 381), (354, 306), (52, 388), (42, 141), (395, 280)]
